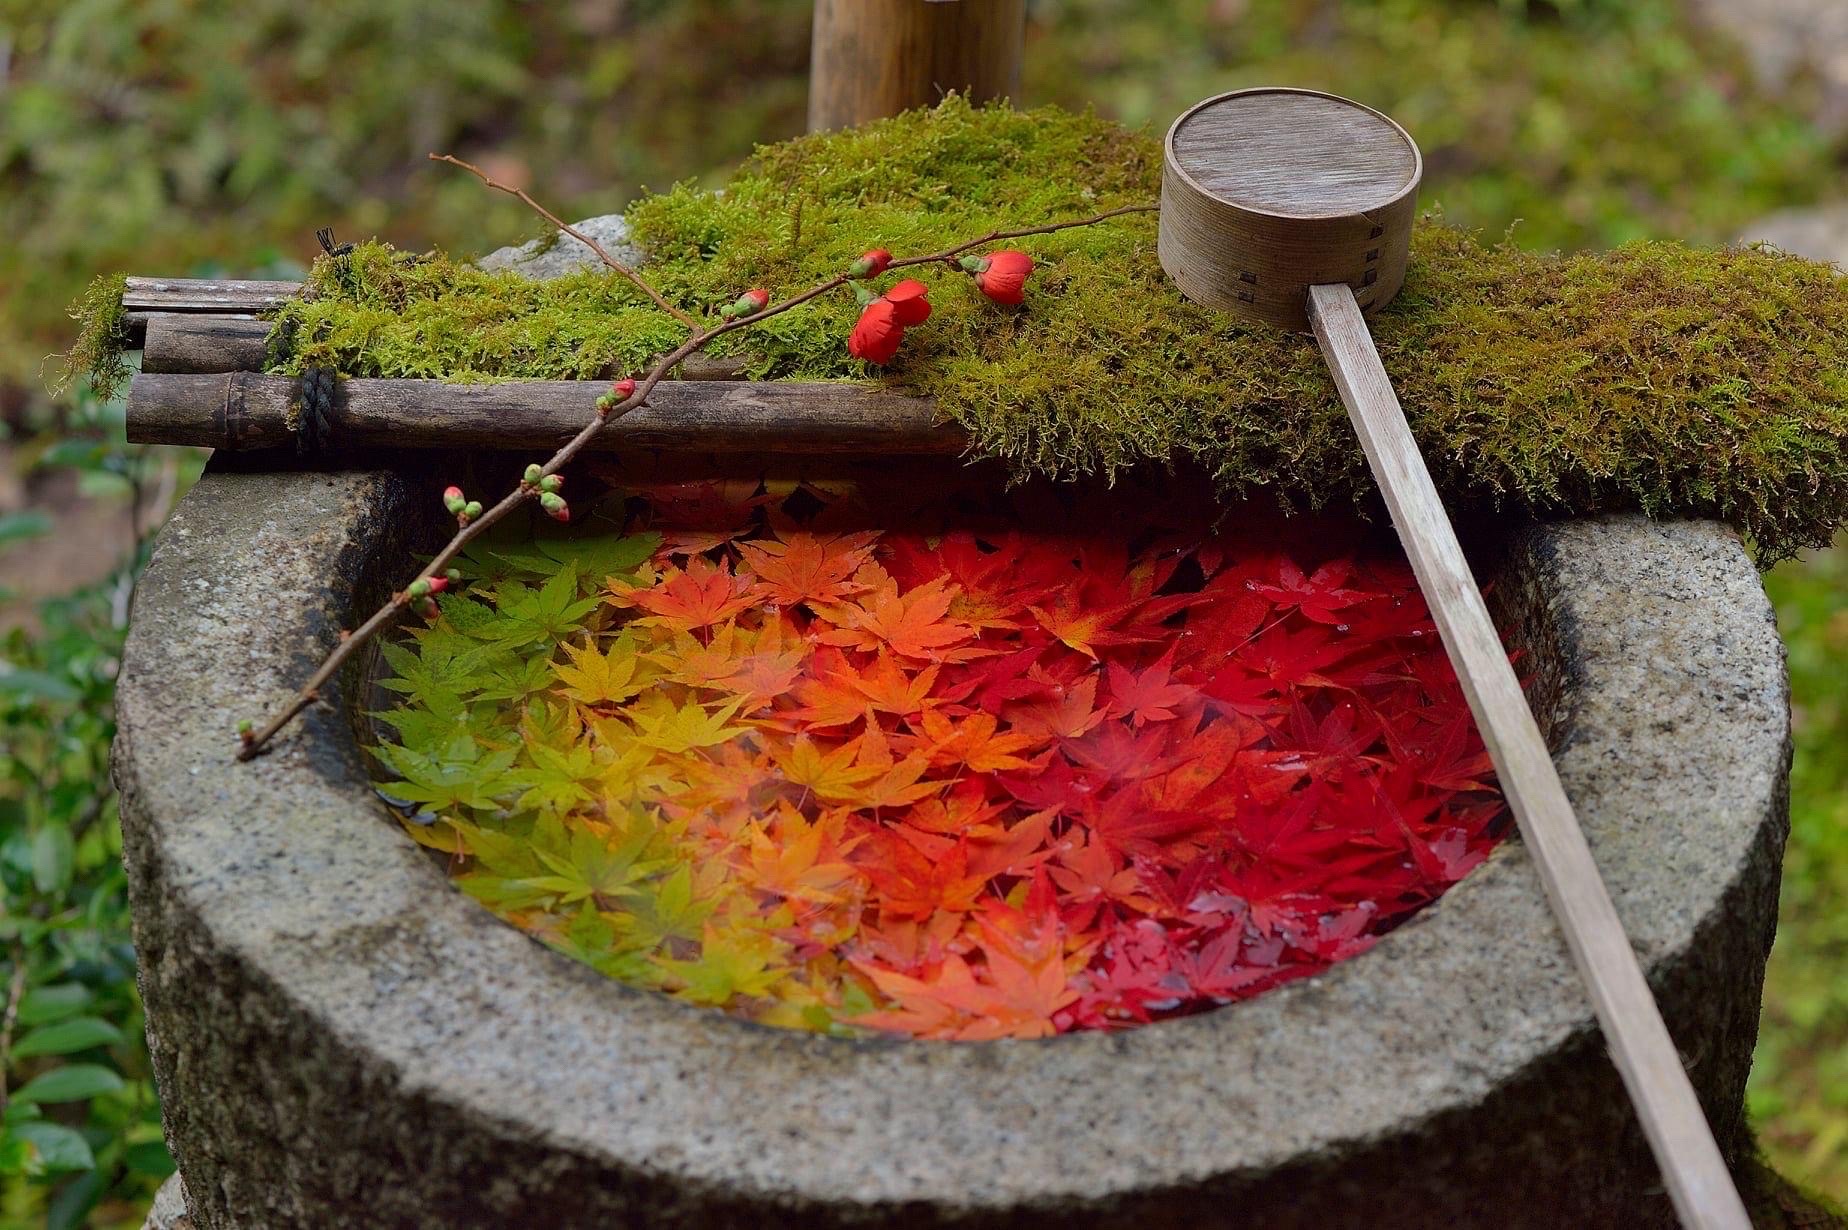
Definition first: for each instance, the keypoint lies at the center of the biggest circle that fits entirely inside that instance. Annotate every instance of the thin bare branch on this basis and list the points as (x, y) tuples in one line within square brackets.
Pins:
[(603, 254)]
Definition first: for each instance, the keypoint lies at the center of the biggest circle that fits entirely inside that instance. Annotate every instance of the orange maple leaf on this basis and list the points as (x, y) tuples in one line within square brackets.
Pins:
[(1024, 985), (973, 741), (898, 786), (913, 625), (1083, 627), (704, 595), (757, 664), (829, 693), (805, 566), (913, 884), (802, 861), (966, 812), (832, 776), (891, 690)]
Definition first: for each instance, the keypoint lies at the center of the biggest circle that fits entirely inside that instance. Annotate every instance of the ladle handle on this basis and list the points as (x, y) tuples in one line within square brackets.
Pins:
[(1639, 1043)]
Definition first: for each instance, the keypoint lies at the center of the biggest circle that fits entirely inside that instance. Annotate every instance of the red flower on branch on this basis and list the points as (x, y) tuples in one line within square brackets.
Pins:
[(908, 298), (877, 336), (881, 328), (1002, 276), (870, 264)]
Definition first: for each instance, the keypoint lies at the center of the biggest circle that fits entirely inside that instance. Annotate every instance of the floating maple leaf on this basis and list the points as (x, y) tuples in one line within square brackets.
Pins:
[(1147, 695), (601, 677), (1319, 595), (703, 595), (801, 567), (912, 625), (974, 742)]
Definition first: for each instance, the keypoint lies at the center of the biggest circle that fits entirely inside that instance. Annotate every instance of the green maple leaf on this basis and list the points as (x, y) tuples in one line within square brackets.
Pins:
[(515, 678), (590, 557), (425, 729), (596, 940), (664, 910), (506, 864), (594, 868), (549, 613), (555, 780), (438, 680), (591, 548), (733, 961), (460, 773), (468, 617)]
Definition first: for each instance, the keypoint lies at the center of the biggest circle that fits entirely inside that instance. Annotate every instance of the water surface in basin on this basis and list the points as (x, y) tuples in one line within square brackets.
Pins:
[(995, 765)]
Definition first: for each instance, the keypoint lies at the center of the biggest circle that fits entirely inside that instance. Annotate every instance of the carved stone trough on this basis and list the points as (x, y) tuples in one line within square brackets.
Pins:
[(344, 1040)]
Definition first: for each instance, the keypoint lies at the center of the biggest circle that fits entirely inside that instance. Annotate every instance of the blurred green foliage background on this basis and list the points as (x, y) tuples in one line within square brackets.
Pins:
[(203, 137)]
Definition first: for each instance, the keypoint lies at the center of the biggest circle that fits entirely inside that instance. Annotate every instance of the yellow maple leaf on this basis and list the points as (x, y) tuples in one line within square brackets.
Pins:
[(600, 678), (831, 776), (681, 728)]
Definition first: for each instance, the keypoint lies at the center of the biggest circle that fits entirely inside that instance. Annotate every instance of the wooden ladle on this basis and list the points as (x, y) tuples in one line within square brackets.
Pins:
[(1294, 209)]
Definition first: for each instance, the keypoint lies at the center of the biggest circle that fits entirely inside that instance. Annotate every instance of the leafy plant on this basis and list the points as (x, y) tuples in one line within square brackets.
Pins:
[(80, 1123), (1799, 1089)]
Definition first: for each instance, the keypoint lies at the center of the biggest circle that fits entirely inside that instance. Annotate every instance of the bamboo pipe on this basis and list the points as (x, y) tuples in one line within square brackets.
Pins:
[(243, 410)]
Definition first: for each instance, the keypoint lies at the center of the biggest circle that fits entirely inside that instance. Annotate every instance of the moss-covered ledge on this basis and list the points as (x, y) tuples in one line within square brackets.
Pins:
[(1675, 380)]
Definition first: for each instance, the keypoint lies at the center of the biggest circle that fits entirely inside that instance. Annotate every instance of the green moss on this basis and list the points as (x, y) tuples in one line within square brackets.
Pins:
[(101, 341), (1706, 382)]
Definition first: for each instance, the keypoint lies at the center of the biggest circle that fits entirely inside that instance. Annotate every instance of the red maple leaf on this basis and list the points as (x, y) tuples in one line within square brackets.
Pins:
[(1319, 596), (1147, 695)]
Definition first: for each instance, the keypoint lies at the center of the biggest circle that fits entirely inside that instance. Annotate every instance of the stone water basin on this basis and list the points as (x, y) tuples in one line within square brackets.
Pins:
[(341, 1039)]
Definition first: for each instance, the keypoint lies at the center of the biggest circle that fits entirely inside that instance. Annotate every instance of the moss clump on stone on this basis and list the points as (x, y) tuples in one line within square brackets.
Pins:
[(1661, 377), (99, 352)]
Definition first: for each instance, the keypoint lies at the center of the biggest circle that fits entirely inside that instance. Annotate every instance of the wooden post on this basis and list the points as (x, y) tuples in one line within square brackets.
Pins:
[(874, 58)]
